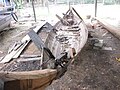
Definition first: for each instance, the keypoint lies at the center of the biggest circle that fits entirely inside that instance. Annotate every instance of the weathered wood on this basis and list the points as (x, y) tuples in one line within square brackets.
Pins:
[(112, 29), (62, 20), (96, 8), (27, 38), (77, 13), (36, 39), (39, 43), (74, 30), (29, 59), (9, 56), (29, 80), (62, 44), (11, 48), (16, 53), (34, 10), (29, 56)]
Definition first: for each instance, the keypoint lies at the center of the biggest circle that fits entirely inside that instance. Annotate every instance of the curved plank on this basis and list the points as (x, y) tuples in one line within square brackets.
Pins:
[(29, 80), (26, 74)]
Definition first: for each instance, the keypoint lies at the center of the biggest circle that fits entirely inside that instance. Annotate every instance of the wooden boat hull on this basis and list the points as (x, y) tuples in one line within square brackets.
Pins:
[(52, 48), (30, 80), (76, 34)]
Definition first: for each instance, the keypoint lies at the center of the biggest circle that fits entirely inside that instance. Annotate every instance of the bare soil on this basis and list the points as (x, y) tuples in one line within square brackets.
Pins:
[(93, 69)]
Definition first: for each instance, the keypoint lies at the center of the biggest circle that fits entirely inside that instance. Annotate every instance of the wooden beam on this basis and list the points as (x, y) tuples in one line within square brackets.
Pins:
[(112, 29), (95, 8), (28, 80)]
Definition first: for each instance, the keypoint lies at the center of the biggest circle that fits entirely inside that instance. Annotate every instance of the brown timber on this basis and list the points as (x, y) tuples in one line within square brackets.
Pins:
[(29, 80)]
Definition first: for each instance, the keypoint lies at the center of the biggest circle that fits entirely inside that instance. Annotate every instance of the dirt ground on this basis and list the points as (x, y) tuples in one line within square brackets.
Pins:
[(93, 69), (12, 34)]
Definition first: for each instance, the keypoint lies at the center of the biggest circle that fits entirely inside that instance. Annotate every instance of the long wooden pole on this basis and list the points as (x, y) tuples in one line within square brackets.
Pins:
[(103, 2), (34, 10), (112, 29), (95, 8)]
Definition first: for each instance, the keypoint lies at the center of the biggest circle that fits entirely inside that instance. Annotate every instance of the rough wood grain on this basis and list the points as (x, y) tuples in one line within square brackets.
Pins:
[(31, 80), (16, 53), (112, 29)]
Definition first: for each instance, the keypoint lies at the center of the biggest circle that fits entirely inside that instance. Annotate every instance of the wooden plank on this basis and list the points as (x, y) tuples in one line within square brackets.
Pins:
[(29, 80), (112, 29), (96, 7), (29, 59), (9, 56), (26, 74), (40, 44), (77, 13), (36, 39), (28, 39), (29, 56), (63, 20), (16, 53), (21, 49)]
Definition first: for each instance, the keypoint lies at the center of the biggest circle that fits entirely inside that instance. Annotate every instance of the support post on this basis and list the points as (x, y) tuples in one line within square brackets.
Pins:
[(34, 10), (95, 8)]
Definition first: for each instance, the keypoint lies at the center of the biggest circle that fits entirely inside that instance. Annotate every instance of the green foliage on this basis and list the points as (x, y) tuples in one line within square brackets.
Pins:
[(109, 2), (88, 1), (117, 1)]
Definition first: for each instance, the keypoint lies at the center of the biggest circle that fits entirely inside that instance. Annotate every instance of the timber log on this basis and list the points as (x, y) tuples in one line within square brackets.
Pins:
[(112, 29)]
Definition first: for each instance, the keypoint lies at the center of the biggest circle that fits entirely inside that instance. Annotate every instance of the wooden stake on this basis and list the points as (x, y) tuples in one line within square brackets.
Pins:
[(95, 8), (34, 10)]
